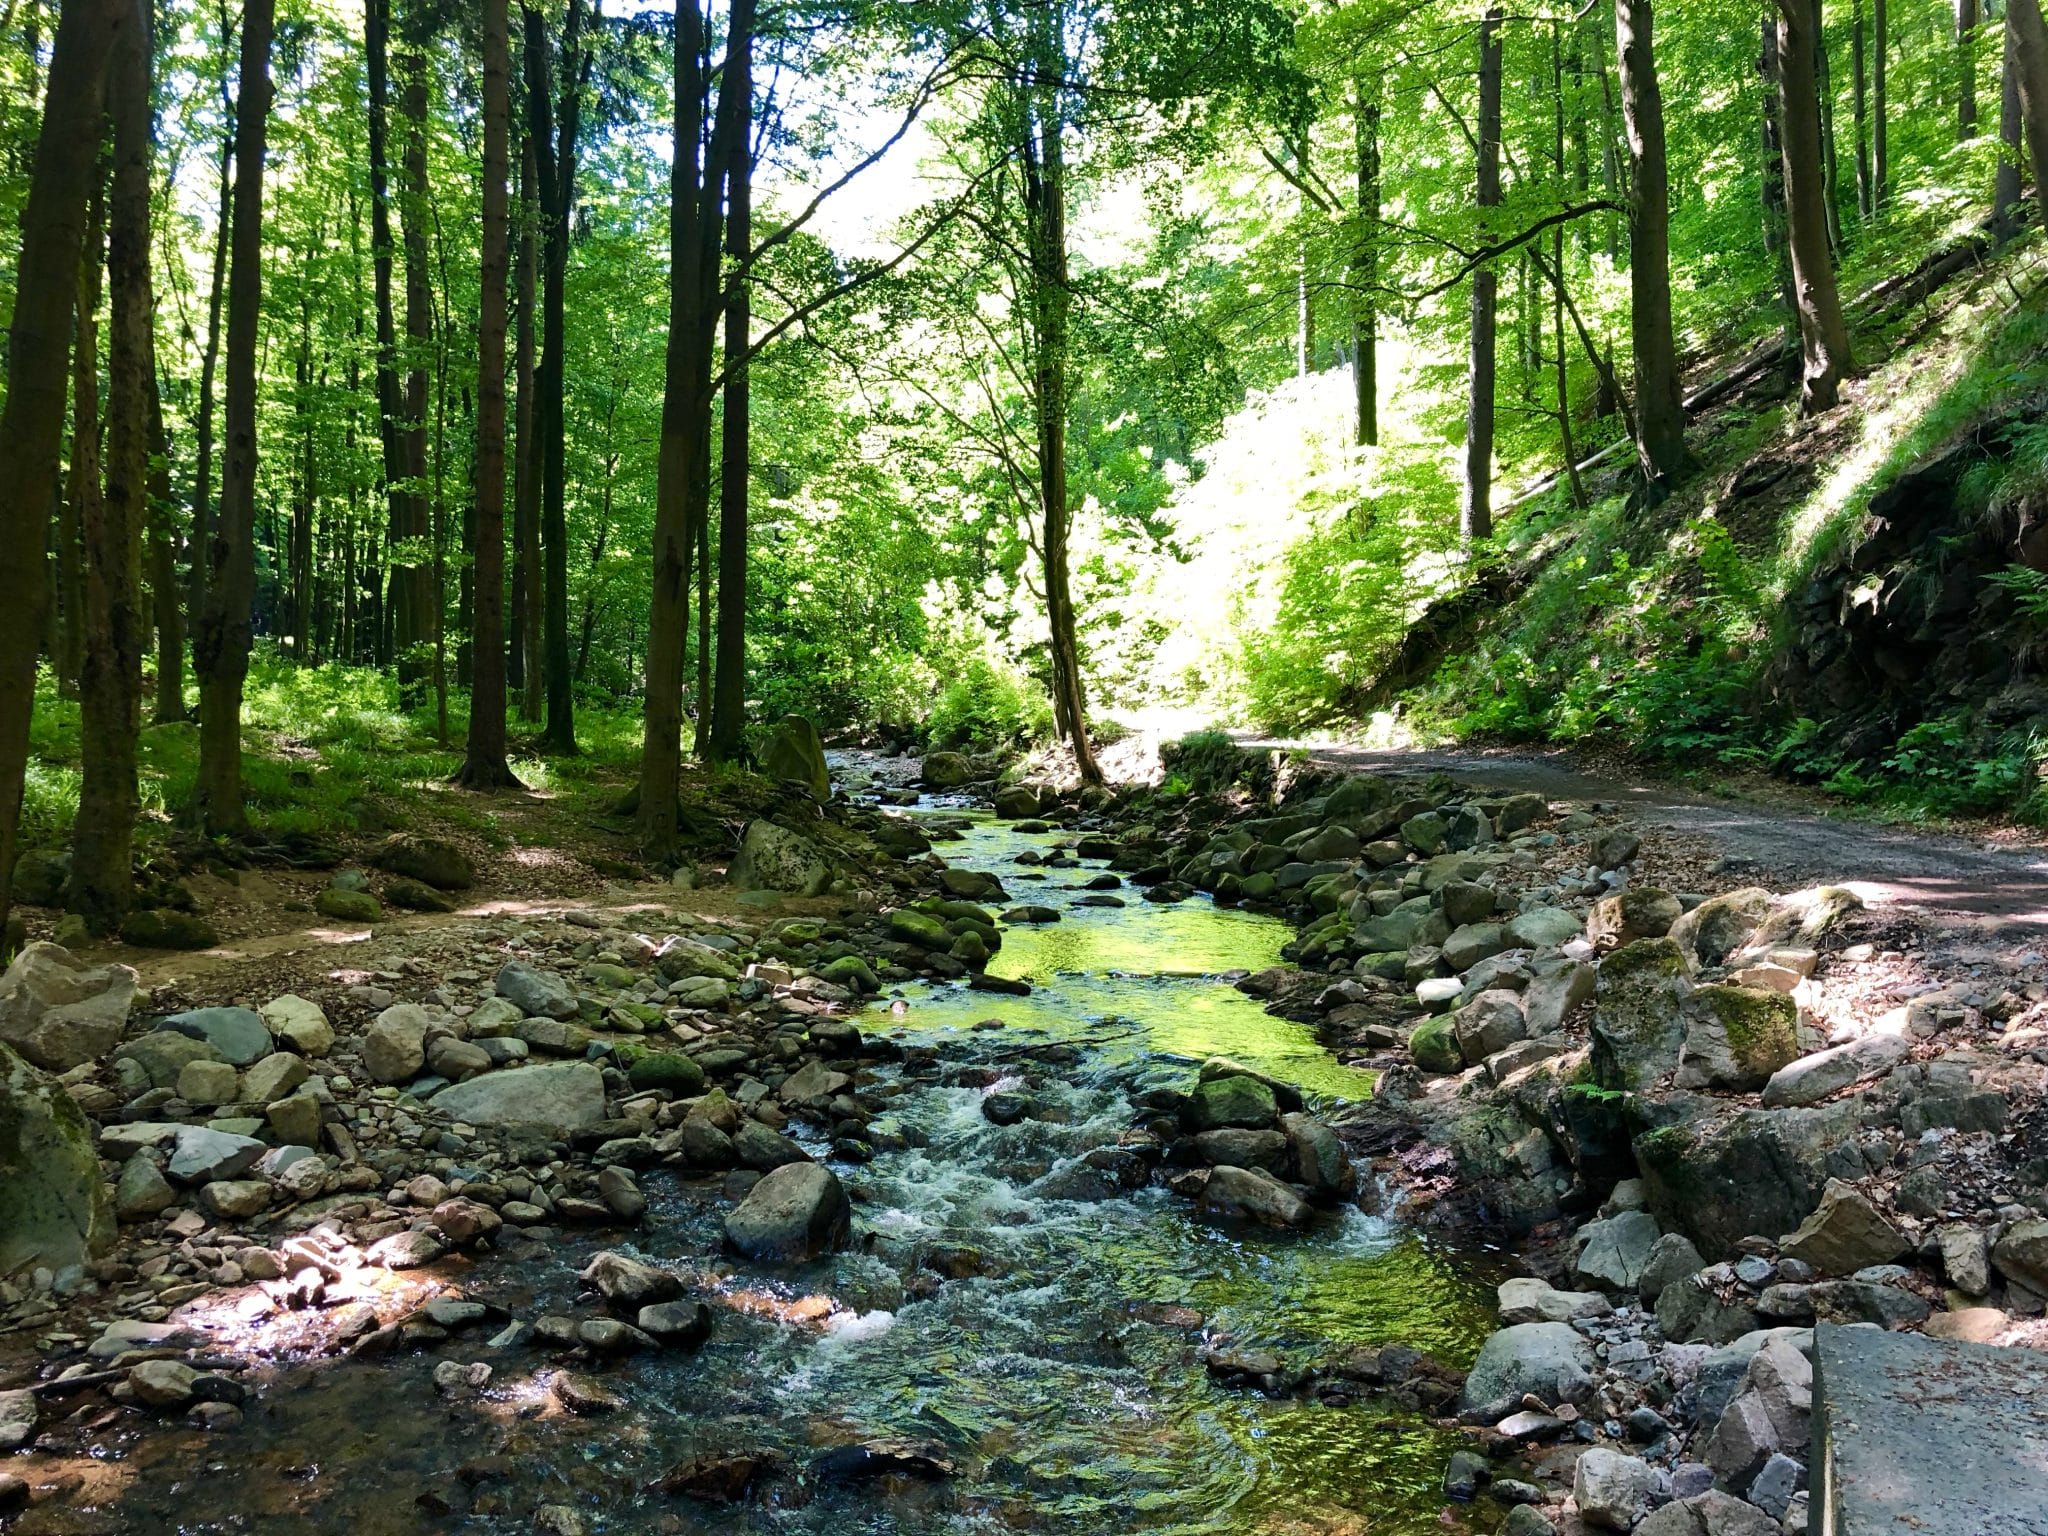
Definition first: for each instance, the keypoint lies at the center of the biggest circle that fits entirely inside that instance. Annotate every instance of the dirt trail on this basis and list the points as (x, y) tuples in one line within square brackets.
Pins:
[(2001, 894)]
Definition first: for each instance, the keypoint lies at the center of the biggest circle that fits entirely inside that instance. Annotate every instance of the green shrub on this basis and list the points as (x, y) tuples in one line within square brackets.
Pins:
[(986, 706)]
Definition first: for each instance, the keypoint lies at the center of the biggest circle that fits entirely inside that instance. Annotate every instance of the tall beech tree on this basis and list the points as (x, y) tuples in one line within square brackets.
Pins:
[(116, 622), (38, 351), (225, 631), (1660, 418), (2029, 57), (1475, 517), (1823, 334)]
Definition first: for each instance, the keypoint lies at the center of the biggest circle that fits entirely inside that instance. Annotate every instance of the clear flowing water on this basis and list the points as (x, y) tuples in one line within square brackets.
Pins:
[(1063, 1377)]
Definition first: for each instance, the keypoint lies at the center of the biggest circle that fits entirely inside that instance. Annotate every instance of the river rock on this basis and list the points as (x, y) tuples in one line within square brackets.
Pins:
[(537, 994), (200, 1154), (60, 1014), (1236, 1148), (299, 1024), (946, 770), (1550, 1360), (1491, 1022), (669, 1072), (1638, 1023), (1671, 1258), (163, 1383), (142, 1190), (1617, 1249), (1614, 1492), (1845, 1233), (209, 1084), (796, 753), (1541, 928), (159, 1057), (764, 1150), (628, 1284), (1810, 1079), (394, 1046), (797, 1213), (564, 1096), (1559, 987), (239, 1034), (54, 1209), (1736, 1037), (773, 858), (1712, 1513), (1316, 1158), (430, 860), (1721, 925), (1475, 942), (274, 1077), (1529, 1300), (1242, 1102), (1641, 912), (1249, 1194), (1759, 1171)]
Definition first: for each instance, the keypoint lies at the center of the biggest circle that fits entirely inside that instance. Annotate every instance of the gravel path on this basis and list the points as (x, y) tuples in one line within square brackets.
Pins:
[(1946, 881)]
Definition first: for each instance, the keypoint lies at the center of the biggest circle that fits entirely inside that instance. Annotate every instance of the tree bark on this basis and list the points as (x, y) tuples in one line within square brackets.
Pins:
[(1772, 174), (1562, 375), (525, 469), (39, 341), (2030, 57), (1966, 70), (209, 361), (1823, 335), (220, 650), (395, 629), (1660, 419), (163, 558), (729, 673), (412, 570), (116, 623), (555, 152), (483, 765), (1830, 161), (1365, 318), (1860, 105), (1880, 145), (1475, 520), (2005, 190), (81, 503)]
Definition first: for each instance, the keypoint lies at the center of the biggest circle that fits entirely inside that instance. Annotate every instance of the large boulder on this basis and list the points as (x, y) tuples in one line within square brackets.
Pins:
[(1491, 1022), (395, 1046), (565, 1096), (1845, 1233), (1759, 1171), (1810, 1079), (1552, 1360), (773, 858), (1638, 1021), (429, 860), (1737, 1037), (796, 753), (60, 1014), (1721, 925), (797, 1213), (1617, 1250), (947, 770), (1242, 1102), (239, 1034), (536, 994), (54, 1204), (1251, 1194), (1615, 1492)]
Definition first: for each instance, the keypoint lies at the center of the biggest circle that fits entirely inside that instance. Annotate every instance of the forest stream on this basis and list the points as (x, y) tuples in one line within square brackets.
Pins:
[(1055, 1382)]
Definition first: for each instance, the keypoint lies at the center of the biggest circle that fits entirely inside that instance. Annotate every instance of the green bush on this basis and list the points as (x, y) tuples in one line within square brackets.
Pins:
[(986, 706)]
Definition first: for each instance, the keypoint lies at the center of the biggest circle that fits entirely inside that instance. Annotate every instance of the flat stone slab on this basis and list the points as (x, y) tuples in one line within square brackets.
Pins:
[(1921, 1435)]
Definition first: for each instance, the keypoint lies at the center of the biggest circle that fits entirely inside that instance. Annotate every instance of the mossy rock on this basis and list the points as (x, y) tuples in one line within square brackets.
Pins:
[(916, 928), (1434, 1045), (416, 896), (55, 1210), (432, 860), (165, 928), (667, 1071), (1736, 1037), (851, 972), (40, 875), (1224, 1103), (347, 906), (796, 752), (1638, 1021)]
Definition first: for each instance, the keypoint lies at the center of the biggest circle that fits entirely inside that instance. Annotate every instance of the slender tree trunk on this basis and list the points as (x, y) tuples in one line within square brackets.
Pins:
[(395, 633), (1823, 334), (39, 341), (220, 648), (1365, 264), (1772, 173), (483, 762), (1475, 521), (1866, 201), (1830, 162), (2005, 190), (729, 678), (701, 734), (209, 363), (1660, 418), (421, 602), (2030, 57), (81, 503), (1562, 374), (1880, 145), (163, 564), (116, 623), (1966, 70), (556, 162), (525, 469), (300, 564)]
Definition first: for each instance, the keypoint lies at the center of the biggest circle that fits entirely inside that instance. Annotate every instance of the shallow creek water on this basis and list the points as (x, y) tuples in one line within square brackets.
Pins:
[(1066, 1383)]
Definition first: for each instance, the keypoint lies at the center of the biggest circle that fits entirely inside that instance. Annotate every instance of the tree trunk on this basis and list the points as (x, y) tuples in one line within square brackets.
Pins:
[(1777, 243), (1562, 375), (396, 628), (1045, 201), (209, 365), (556, 164), (701, 734), (526, 604), (1475, 520), (116, 623), (1880, 147), (1966, 70), (729, 676), (483, 763), (1823, 335), (2005, 190), (81, 503), (1660, 419), (163, 564), (1860, 105), (300, 563), (39, 340), (220, 650), (1830, 161), (420, 602), (2030, 58), (1365, 263)]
